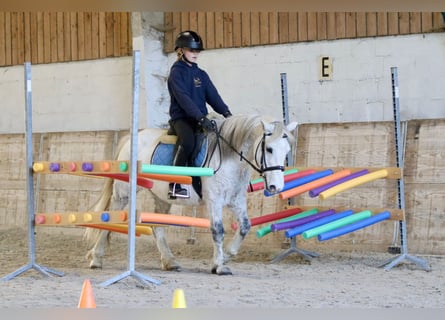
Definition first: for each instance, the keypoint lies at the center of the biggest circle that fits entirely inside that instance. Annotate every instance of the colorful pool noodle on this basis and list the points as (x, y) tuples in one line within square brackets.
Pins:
[(336, 224), (313, 184), (176, 170), (354, 226), (267, 229), (316, 191), (319, 222), (298, 222), (258, 184), (167, 177), (174, 220), (298, 182), (271, 217), (353, 183)]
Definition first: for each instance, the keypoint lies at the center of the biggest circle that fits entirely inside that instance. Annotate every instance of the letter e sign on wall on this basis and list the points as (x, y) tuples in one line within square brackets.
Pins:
[(325, 68)]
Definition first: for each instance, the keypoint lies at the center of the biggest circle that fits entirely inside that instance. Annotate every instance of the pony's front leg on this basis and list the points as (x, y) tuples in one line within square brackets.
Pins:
[(241, 232), (217, 229)]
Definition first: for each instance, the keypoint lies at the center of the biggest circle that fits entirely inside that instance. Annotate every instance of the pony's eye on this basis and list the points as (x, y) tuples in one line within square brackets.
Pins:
[(284, 136), (269, 149)]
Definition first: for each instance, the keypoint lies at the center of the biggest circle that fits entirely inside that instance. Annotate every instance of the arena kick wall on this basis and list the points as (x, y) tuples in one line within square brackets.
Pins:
[(319, 145)]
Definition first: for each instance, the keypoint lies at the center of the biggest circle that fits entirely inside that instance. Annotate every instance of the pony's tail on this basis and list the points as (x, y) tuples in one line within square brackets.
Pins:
[(91, 234)]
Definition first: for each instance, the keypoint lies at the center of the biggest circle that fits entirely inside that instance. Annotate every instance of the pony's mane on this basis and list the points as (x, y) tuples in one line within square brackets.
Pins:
[(241, 130), (245, 131)]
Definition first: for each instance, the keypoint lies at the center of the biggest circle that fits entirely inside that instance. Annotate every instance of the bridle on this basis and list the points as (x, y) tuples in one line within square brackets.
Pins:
[(260, 168)]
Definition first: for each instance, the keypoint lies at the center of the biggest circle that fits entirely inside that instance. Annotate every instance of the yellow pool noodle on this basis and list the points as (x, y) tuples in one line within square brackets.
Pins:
[(353, 183)]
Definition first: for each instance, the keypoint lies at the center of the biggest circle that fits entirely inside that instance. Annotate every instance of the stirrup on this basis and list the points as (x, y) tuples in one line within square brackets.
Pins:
[(178, 192)]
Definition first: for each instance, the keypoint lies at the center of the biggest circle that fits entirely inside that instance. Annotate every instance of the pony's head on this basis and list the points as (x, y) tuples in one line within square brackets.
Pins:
[(261, 143), (273, 149)]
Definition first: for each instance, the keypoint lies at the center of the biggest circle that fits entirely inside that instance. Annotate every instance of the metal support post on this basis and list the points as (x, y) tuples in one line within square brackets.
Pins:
[(30, 187), (131, 272), (289, 162), (421, 263)]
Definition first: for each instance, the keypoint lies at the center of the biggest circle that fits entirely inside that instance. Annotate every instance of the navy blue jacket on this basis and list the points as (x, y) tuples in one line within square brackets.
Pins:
[(190, 89)]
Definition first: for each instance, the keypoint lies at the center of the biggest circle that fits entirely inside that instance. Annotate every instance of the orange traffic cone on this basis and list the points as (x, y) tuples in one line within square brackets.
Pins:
[(86, 297), (179, 299)]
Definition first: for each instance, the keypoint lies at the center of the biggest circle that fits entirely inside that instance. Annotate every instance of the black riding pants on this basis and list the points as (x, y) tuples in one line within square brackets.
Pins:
[(186, 131)]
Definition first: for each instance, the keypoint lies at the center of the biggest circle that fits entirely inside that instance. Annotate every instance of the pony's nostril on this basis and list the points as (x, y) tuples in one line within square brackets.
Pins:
[(272, 189)]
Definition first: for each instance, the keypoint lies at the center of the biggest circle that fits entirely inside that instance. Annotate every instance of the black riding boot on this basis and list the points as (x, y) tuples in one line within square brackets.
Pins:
[(175, 190)]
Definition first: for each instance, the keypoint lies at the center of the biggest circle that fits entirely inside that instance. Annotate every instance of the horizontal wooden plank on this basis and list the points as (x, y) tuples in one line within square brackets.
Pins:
[(74, 218)]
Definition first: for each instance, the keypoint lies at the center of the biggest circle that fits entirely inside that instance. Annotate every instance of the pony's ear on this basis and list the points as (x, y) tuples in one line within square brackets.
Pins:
[(291, 126), (268, 127)]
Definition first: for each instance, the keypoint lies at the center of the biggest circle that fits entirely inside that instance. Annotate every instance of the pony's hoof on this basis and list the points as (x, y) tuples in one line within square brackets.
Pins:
[(95, 263), (172, 266), (221, 271)]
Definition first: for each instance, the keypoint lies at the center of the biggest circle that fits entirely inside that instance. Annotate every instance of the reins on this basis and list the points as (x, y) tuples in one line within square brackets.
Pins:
[(263, 167)]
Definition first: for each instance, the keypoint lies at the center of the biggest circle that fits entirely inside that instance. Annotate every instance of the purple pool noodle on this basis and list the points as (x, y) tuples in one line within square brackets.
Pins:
[(316, 191), (87, 166), (354, 226), (298, 222), (54, 167), (303, 180), (300, 229)]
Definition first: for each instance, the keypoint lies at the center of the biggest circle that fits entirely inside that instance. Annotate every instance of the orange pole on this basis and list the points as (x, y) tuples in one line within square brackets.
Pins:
[(314, 184), (183, 221), (167, 177)]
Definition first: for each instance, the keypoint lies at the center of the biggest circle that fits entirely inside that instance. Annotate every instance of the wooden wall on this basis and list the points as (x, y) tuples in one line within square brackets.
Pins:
[(50, 37), (320, 145), (244, 29)]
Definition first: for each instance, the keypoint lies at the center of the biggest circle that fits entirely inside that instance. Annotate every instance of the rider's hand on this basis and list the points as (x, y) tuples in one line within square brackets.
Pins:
[(227, 114), (206, 124)]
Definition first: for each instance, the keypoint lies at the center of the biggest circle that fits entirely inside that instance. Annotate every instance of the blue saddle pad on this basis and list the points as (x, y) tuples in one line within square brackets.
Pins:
[(163, 154)]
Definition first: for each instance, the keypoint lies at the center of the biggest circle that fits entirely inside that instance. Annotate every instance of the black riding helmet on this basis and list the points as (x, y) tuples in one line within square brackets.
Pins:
[(189, 39)]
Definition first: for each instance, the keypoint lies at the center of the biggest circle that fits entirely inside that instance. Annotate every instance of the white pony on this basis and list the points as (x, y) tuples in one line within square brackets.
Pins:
[(241, 143)]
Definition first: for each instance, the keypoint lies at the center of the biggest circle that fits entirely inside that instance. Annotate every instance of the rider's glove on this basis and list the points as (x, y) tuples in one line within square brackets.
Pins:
[(227, 114), (206, 124)]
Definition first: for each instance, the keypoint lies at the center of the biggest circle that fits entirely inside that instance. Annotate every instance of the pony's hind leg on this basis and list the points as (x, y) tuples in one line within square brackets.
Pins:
[(119, 201), (96, 254), (168, 260)]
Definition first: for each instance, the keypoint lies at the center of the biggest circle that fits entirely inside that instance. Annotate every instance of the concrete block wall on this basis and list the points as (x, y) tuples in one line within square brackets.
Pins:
[(97, 95), (74, 96), (360, 85)]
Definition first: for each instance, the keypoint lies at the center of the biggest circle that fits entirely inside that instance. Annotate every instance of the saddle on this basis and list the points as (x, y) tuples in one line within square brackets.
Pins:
[(164, 153)]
